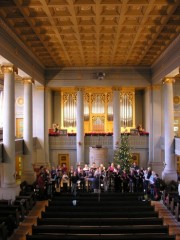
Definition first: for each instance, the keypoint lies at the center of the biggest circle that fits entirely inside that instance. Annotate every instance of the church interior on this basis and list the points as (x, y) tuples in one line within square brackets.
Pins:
[(77, 79)]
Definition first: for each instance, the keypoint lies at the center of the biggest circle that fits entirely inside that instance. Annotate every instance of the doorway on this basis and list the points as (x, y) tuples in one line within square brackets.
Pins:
[(64, 159)]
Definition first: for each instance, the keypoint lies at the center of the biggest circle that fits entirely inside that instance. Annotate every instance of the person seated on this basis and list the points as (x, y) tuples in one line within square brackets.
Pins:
[(139, 128), (57, 128)]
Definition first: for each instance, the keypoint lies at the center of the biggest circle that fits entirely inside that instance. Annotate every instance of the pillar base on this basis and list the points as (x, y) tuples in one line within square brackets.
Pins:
[(29, 177), (9, 193), (169, 175)]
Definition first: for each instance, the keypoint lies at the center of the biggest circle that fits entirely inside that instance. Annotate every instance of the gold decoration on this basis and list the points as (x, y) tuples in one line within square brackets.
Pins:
[(20, 101), (176, 100), (9, 68), (168, 80), (28, 80)]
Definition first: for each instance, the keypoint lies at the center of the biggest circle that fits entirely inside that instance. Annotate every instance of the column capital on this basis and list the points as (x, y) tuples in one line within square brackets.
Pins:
[(8, 68), (168, 80), (77, 89), (28, 80)]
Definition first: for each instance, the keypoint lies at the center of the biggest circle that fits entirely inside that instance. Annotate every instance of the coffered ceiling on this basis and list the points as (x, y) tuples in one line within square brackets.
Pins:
[(89, 33)]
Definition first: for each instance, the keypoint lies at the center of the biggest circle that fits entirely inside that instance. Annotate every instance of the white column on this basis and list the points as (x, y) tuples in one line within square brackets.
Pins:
[(156, 129), (148, 119), (48, 123), (8, 189), (39, 125), (116, 118), (80, 127), (28, 173), (169, 172), (147, 109)]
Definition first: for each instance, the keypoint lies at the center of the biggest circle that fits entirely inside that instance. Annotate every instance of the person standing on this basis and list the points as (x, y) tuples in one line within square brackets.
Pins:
[(74, 179)]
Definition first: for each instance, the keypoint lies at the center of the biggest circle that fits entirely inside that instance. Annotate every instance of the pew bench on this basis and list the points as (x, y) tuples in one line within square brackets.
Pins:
[(29, 199), (173, 203), (3, 231), (20, 209), (9, 222), (177, 211), (167, 197), (13, 212)]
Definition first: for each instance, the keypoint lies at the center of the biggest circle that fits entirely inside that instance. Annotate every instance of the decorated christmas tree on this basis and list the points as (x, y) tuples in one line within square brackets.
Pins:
[(123, 155)]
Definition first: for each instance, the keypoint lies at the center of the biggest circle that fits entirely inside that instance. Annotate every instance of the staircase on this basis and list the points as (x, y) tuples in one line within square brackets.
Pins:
[(105, 216)]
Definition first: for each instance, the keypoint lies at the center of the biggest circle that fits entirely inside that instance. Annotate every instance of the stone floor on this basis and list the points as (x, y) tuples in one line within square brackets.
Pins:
[(25, 227)]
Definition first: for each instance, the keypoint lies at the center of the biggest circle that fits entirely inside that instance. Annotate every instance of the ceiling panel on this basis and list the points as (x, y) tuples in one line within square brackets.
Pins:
[(89, 33)]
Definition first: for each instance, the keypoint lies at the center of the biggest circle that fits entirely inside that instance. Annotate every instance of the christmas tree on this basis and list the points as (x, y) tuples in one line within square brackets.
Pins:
[(123, 155)]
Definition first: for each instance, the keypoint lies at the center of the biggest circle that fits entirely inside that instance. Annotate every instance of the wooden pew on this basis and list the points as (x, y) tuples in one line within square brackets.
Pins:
[(169, 197), (177, 211), (20, 209), (29, 199), (9, 222), (175, 200), (3, 231), (13, 212)]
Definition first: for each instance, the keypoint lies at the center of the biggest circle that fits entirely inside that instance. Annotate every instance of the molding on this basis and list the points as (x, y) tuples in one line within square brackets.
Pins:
[(75, 77), (15, 51), (167, 62)]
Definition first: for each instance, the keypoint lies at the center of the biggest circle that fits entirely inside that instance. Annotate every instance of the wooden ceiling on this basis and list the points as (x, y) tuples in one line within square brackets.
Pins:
[(92, 33)]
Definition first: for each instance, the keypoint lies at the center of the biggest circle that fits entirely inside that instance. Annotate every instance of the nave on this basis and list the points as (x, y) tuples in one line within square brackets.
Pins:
[(105, 216)]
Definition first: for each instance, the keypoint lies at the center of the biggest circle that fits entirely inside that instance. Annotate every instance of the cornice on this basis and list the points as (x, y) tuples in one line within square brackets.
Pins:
[(167, 51), (167, 62), (14, 51)]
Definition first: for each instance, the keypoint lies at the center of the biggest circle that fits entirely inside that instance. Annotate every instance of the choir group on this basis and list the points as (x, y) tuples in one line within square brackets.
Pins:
[(96, 179)]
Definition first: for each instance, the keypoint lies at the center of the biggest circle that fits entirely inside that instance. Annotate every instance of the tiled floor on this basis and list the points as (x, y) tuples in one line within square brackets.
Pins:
[(26, 226)]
